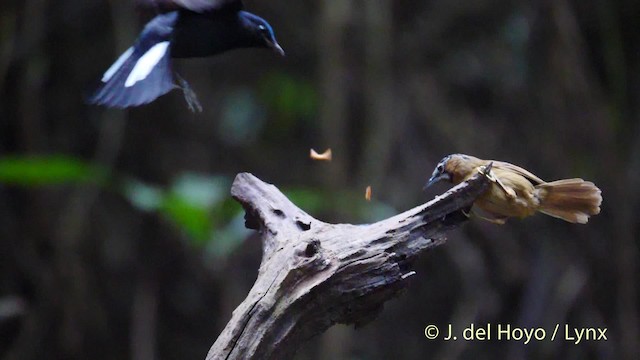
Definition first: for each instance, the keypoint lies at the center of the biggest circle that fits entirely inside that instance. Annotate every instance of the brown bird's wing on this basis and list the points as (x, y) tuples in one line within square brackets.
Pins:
[(511, 195), (501, 165), (193, 5)]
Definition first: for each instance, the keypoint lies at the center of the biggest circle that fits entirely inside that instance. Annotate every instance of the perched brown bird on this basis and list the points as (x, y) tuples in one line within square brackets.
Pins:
[(515, 192)]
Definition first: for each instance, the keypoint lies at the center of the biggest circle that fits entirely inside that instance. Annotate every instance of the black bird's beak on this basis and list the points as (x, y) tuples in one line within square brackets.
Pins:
[(277, 48)]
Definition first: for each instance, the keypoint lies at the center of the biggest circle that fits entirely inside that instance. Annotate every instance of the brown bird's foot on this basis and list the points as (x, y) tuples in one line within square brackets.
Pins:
[(469, 213), (511, 194), (189, 95), (486, 171), (497, 220)]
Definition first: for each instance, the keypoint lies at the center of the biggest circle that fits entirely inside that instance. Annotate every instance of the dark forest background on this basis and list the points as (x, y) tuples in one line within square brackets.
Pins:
[(118, 238)]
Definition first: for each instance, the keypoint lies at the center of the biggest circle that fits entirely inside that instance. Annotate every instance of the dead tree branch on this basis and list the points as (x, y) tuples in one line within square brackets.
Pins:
[(315, 274)]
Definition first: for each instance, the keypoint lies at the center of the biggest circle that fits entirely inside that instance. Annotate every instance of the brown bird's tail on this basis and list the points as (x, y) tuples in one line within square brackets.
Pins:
[(572, 200)]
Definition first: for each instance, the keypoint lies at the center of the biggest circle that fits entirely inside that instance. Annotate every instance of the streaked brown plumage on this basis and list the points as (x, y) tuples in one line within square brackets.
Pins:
[(516, 192)]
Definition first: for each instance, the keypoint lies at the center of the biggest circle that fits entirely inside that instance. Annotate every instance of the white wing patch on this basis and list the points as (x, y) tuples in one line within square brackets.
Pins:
[(116, 65), (146, 63)]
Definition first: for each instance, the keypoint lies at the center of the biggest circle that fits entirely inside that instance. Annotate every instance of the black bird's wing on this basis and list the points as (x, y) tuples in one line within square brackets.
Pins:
[(143, 72), (193, 5)]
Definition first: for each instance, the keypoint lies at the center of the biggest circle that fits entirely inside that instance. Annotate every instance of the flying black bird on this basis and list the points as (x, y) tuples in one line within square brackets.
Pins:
[(184, 29)]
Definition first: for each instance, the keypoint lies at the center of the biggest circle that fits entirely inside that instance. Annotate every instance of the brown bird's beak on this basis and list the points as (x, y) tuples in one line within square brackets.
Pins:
[(429, 183), (434, 179)]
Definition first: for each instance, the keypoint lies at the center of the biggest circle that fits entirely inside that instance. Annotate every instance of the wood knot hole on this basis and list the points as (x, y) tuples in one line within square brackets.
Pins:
[(251, 219), (312, 248), (302, 225)]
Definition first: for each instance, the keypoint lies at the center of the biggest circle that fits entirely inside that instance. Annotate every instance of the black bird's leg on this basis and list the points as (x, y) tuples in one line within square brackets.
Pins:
[(189, 95)]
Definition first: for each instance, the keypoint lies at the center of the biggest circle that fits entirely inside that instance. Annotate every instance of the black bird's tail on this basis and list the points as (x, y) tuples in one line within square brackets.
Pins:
[(143, 72)]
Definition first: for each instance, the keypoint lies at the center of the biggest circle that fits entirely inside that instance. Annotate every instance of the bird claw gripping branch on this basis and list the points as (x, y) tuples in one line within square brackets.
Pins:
[(486, 171)]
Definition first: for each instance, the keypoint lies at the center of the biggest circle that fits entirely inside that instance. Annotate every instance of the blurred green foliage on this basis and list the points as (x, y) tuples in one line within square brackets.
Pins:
[(48, 170), (199, 205), (243, 118), (291, 98)]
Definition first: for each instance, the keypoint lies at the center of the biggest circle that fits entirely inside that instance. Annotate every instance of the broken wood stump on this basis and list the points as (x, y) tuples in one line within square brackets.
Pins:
[(314, 274)]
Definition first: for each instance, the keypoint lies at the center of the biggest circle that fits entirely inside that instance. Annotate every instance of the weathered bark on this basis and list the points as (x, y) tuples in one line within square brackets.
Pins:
[(315, 274)]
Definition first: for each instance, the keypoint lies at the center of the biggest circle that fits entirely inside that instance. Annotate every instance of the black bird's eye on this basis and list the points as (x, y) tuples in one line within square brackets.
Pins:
[(440, 168), (264, 31)]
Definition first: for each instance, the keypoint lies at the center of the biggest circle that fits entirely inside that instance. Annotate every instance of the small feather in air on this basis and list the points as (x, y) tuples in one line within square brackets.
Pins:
[(325, 156), (367, 193)]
